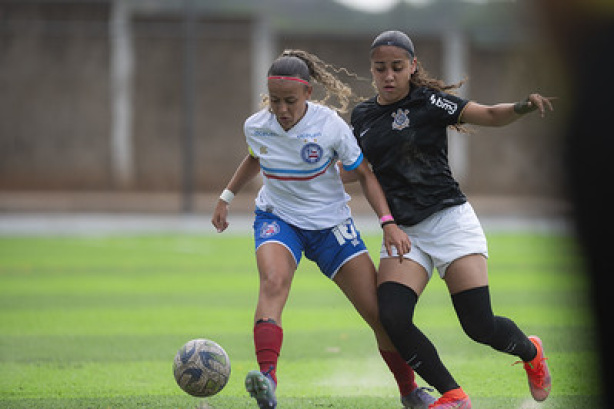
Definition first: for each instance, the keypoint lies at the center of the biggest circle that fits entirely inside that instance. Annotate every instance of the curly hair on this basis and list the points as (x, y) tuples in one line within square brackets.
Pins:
[(318, 70), (421, 78)]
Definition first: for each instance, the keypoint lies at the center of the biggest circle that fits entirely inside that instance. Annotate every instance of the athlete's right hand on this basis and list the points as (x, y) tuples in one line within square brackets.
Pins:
[(219, 216), (394, 236)]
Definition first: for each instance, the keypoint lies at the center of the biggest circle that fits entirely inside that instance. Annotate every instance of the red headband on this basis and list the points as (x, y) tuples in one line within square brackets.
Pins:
[(276, 77)]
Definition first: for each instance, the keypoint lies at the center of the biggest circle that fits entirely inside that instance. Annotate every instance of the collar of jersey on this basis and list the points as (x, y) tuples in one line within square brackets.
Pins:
[(300, 124)]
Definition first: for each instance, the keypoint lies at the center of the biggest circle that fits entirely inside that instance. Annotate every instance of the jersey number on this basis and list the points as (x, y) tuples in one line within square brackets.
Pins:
[(346, 231)]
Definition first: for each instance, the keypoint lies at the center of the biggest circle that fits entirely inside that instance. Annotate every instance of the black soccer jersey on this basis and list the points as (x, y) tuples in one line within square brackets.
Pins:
[(407, 146)]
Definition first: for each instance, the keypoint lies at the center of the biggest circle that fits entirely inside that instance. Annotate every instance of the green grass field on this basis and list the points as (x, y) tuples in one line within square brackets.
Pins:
[(96, 322)]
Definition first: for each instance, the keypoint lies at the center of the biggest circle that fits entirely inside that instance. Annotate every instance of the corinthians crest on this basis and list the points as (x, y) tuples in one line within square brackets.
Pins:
[(401, 119)]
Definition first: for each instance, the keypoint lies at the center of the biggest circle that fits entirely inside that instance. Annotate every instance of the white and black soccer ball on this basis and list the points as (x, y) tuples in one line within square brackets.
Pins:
[(201, 367)]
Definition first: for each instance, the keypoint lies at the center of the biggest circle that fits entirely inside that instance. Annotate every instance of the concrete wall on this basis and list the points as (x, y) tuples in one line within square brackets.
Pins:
[(54, 96), (223, 86), (55, 101)]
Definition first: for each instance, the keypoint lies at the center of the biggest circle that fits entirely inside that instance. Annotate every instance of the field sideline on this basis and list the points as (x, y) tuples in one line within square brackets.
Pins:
[(95, 322)]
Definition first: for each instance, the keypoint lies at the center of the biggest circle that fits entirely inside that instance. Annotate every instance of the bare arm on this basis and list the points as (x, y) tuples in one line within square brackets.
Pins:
[(247, 170), (504, 114), (393, 236), (347, 176)]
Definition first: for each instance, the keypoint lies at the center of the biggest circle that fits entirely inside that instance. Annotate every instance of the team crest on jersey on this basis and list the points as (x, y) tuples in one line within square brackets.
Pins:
[(269, 230), (311, 152), (401, 119)]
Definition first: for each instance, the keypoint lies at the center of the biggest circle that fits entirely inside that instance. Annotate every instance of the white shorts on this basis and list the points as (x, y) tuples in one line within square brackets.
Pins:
[(443, 237)]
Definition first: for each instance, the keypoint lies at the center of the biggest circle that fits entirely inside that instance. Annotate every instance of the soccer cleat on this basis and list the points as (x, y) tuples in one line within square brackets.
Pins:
[(538, 373), (262, 388), (419, 398), (454, 399)]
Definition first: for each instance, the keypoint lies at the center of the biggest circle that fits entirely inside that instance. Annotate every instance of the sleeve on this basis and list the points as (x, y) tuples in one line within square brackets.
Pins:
[(249, 140), (346, 147), (355, 125), (251, 152), (445, 108), (353, 122)]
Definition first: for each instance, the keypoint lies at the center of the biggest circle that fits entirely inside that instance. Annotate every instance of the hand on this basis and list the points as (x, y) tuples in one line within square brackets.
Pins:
[(533, 102), (394, 236), (219, 216)]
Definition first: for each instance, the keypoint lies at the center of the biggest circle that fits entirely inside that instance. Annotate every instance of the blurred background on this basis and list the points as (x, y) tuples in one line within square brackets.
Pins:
[(126, 115), (138, 106)]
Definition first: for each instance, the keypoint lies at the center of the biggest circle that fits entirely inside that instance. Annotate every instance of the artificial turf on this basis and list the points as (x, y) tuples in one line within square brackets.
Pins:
[(94, 322)]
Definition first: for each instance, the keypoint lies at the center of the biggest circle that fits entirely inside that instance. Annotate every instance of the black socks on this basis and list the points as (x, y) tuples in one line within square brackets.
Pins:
[(396, 308), (475, 315)]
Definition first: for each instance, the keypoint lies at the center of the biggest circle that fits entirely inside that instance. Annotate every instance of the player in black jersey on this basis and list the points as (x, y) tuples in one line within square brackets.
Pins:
[(403, 134)]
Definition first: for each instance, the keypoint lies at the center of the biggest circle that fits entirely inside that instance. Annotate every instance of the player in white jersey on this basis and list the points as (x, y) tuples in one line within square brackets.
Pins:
[(301, 182), (302, 208)]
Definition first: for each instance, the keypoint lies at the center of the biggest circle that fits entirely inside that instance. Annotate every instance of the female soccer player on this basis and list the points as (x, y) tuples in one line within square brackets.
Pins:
[(402, 132), (302, 207)]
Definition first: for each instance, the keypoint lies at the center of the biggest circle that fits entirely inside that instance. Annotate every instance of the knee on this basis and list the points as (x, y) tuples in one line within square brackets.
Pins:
[(273, 284), (475, 314), (396, 304), (391, 316)]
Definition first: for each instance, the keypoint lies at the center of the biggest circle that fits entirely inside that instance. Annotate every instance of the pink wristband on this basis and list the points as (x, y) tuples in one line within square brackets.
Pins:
[(386, 218)]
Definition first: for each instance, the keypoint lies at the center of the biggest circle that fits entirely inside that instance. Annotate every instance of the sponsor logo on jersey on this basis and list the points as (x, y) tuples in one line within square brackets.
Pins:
[(401, 119), (269, 230), (309, 135), (311, 152), (264, 132), (445, 104)]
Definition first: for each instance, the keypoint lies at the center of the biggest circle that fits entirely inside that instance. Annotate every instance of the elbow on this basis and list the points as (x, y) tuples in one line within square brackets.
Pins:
[(365, 178)]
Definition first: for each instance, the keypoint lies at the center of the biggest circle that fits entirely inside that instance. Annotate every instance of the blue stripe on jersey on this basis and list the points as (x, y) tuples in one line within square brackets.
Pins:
[(354, 165), (296, 171), (301, 178)]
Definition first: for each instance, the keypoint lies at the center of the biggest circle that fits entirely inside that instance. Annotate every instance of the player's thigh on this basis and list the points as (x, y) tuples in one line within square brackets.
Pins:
[(467, 272), (357, 279), (276, 266), (278, 252), (409, 273)]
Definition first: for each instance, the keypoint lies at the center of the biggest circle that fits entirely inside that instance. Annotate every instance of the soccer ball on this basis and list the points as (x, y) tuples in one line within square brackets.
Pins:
[(201, 367)]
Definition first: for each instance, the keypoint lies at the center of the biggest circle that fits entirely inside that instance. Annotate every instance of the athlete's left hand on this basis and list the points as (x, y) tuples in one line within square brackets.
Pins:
[(541, 103), (394, 236)]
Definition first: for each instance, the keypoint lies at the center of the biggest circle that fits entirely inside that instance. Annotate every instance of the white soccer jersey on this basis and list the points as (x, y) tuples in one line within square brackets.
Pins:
[(301, 182)]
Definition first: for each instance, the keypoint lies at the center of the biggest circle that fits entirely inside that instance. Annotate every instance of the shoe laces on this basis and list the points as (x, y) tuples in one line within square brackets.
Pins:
[(422, 392), (268, 373), (537, 371)]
